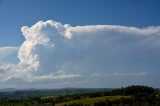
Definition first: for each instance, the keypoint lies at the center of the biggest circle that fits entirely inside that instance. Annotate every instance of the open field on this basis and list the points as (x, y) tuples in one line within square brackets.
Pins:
[(93, 100)]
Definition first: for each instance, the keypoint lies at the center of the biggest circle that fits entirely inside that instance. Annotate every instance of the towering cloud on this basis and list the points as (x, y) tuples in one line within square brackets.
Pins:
[(53, 52)]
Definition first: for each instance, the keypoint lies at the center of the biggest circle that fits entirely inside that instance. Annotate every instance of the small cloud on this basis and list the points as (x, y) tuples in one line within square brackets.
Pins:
[(95, 75), (6, 51), (131, 74)]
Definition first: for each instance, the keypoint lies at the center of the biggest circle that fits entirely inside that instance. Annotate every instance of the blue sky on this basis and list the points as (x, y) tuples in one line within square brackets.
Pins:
[(139, 65), (17, 13)]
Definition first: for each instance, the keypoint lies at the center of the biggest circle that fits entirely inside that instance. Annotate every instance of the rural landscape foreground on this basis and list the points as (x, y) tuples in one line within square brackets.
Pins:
[(135, 95)]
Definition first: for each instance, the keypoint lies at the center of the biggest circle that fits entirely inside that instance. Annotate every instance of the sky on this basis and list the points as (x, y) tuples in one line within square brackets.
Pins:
[(79, 43)]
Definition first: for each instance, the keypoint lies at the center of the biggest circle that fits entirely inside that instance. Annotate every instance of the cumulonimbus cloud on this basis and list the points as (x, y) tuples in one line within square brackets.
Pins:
[(53, 51)]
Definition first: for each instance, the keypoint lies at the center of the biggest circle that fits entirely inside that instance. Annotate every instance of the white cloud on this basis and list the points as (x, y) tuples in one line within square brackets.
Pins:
[(53, 51), (131, 74), (119, 74), (6, 51)]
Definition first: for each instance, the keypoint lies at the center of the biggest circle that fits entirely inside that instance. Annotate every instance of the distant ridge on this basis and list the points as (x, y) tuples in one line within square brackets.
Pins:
[(8, 90), (51, 89)]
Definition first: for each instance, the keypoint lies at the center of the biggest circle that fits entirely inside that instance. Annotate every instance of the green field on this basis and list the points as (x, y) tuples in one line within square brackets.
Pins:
[(93, 100)]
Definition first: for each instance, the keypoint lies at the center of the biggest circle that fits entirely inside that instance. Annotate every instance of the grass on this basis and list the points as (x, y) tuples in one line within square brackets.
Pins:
[(93, 100), (49, 97)]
